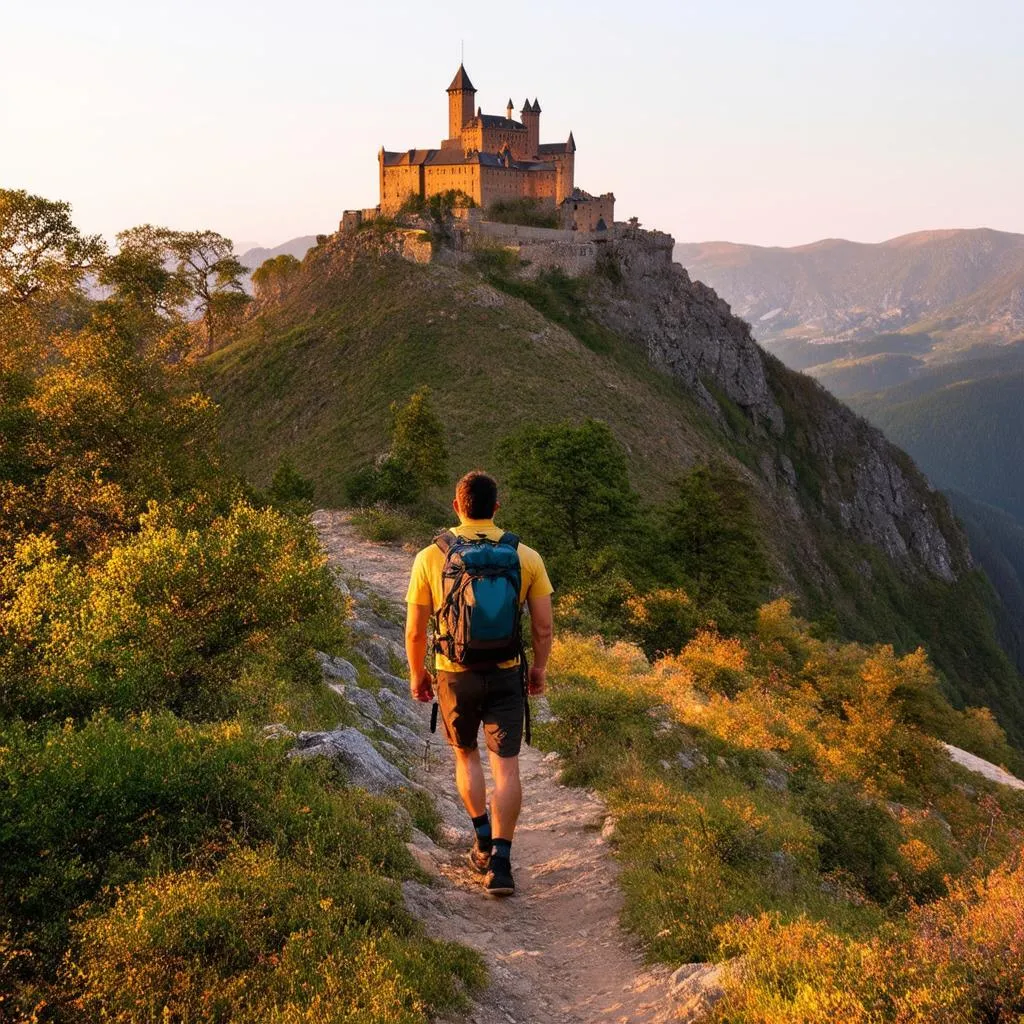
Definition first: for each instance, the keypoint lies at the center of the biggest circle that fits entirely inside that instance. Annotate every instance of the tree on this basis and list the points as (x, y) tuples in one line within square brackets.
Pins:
[(710, 533), (179, 274), (416, 459), (417, 440), (42, 253), (273, 276), (569, 485)]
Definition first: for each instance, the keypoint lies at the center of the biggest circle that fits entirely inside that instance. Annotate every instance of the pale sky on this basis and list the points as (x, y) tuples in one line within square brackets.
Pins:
[(771, 123)]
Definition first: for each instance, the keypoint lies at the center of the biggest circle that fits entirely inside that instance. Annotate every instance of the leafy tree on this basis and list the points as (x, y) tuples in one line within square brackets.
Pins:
[(569, 485), (417, 440), (180, 273), (102, 427), (710, 534), (416, 459), (42, 253), (272, 276), (289, 488)]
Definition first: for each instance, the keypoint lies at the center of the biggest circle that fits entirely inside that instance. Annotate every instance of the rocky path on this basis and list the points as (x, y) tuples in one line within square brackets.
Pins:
[(555, 951)]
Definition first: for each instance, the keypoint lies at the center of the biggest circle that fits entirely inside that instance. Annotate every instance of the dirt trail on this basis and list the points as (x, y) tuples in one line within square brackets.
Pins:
[(556, 952)]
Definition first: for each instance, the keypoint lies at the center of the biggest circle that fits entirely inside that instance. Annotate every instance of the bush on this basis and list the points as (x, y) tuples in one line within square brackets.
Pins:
[(662, 621), (110, 802), (290, 489), (958, 961), (166, 619), (263, 939)]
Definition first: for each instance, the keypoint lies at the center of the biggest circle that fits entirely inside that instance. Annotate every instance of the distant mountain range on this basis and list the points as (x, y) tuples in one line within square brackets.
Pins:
[(297, 247), (916, 299)]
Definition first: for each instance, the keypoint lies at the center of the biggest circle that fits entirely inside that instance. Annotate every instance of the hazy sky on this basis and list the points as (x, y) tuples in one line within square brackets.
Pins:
[(775, 123)]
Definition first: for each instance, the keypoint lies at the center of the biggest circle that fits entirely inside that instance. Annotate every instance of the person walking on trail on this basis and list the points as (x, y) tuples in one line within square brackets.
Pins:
[(473, 581)]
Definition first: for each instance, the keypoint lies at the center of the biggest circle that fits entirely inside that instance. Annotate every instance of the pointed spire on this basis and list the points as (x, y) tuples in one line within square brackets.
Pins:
[(461, 82), (571, 144), (536, 107), (527, 109)]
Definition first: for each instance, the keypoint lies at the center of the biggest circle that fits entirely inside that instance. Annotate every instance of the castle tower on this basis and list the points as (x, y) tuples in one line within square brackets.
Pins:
[(509, 109), (565, 171), (461, 95), (531, 118)]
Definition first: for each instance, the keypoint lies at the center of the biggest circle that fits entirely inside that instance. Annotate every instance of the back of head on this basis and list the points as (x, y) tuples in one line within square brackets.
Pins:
[(477, 495)]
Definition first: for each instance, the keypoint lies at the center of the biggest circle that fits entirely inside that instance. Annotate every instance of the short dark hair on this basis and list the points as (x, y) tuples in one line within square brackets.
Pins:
[(477, 494)]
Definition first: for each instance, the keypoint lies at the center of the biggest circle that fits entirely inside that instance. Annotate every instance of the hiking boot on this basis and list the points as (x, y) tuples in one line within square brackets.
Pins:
[(479, 859), (499, 878)]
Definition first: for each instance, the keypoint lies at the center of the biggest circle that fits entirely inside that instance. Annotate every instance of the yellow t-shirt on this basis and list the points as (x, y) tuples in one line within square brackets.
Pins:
[(425, 585)]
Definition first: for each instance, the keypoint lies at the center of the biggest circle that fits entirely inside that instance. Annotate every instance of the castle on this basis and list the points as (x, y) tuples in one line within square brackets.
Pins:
[(494, 158)]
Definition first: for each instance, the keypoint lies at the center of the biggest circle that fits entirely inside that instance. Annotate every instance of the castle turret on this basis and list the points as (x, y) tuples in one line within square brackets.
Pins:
[(461, 95), (509, 109), (531, 118)]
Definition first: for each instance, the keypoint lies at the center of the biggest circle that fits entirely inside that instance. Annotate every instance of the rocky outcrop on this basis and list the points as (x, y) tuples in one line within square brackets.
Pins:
[(350, 749), (684, 327), (868, 489)]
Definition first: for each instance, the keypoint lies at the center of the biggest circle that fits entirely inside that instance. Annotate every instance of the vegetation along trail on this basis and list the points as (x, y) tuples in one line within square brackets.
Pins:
[(555, 951)]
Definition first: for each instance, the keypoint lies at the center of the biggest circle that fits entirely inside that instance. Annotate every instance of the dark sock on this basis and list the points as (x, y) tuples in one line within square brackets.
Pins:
[(503, 848), (482, 825)]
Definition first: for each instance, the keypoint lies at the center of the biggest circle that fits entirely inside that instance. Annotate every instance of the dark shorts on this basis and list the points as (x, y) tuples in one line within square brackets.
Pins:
[(491, 697)]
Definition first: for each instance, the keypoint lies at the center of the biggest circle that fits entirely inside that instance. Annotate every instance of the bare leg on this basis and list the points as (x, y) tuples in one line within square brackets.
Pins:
[(507, 797), (469, 779)]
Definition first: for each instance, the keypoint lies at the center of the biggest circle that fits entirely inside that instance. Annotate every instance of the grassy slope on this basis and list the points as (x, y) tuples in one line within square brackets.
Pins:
[(313, 378)]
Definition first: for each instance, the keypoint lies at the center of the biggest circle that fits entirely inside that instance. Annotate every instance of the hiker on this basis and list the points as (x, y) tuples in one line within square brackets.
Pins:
[(473, 580)]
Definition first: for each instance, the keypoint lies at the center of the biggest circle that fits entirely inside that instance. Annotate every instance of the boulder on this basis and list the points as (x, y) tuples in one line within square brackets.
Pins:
[(401, 707), (334, 667), (696, 988), (377, 651), (350, 749), (394, 683), (365, 703)]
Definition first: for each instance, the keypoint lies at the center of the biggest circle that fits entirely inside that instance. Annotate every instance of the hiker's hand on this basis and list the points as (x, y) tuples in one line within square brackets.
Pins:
[(538, 681), (421, 686)]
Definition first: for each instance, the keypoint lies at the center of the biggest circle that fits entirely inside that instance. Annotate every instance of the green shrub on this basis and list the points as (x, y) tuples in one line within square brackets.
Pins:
[(264, 939), (290, 489), (109, 802), (662, 621), (168, 618)]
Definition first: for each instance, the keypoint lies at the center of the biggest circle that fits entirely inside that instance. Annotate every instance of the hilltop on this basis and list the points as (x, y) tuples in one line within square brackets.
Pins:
[(930, 294), (851, 526)]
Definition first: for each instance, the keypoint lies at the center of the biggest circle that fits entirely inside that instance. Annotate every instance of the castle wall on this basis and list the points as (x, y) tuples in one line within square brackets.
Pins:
[(443, 177), (396, 184)]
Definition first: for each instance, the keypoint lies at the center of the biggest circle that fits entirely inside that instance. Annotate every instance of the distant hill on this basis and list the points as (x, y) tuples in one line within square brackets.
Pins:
[(963, 424), (958, 288), (297, 247), (855, 532), (997, 543)]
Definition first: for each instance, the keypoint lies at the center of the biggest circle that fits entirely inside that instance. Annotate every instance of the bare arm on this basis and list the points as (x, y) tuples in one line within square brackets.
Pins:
[(416, 618), (542, 631)]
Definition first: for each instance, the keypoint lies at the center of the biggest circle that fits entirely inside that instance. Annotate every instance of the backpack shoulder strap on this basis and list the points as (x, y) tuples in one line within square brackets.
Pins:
[(510, 539), (445, 541)]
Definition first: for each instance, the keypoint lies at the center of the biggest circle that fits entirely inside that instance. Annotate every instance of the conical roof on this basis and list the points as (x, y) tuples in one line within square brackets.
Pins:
[(536, 107), (461, 82)]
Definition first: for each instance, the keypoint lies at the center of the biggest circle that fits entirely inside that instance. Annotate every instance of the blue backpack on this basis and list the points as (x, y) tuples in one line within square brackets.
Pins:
[(478, 621)]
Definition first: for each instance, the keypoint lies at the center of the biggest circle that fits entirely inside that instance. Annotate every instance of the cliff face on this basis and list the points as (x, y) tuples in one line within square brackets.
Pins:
[(847, 471), (685, 328)]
